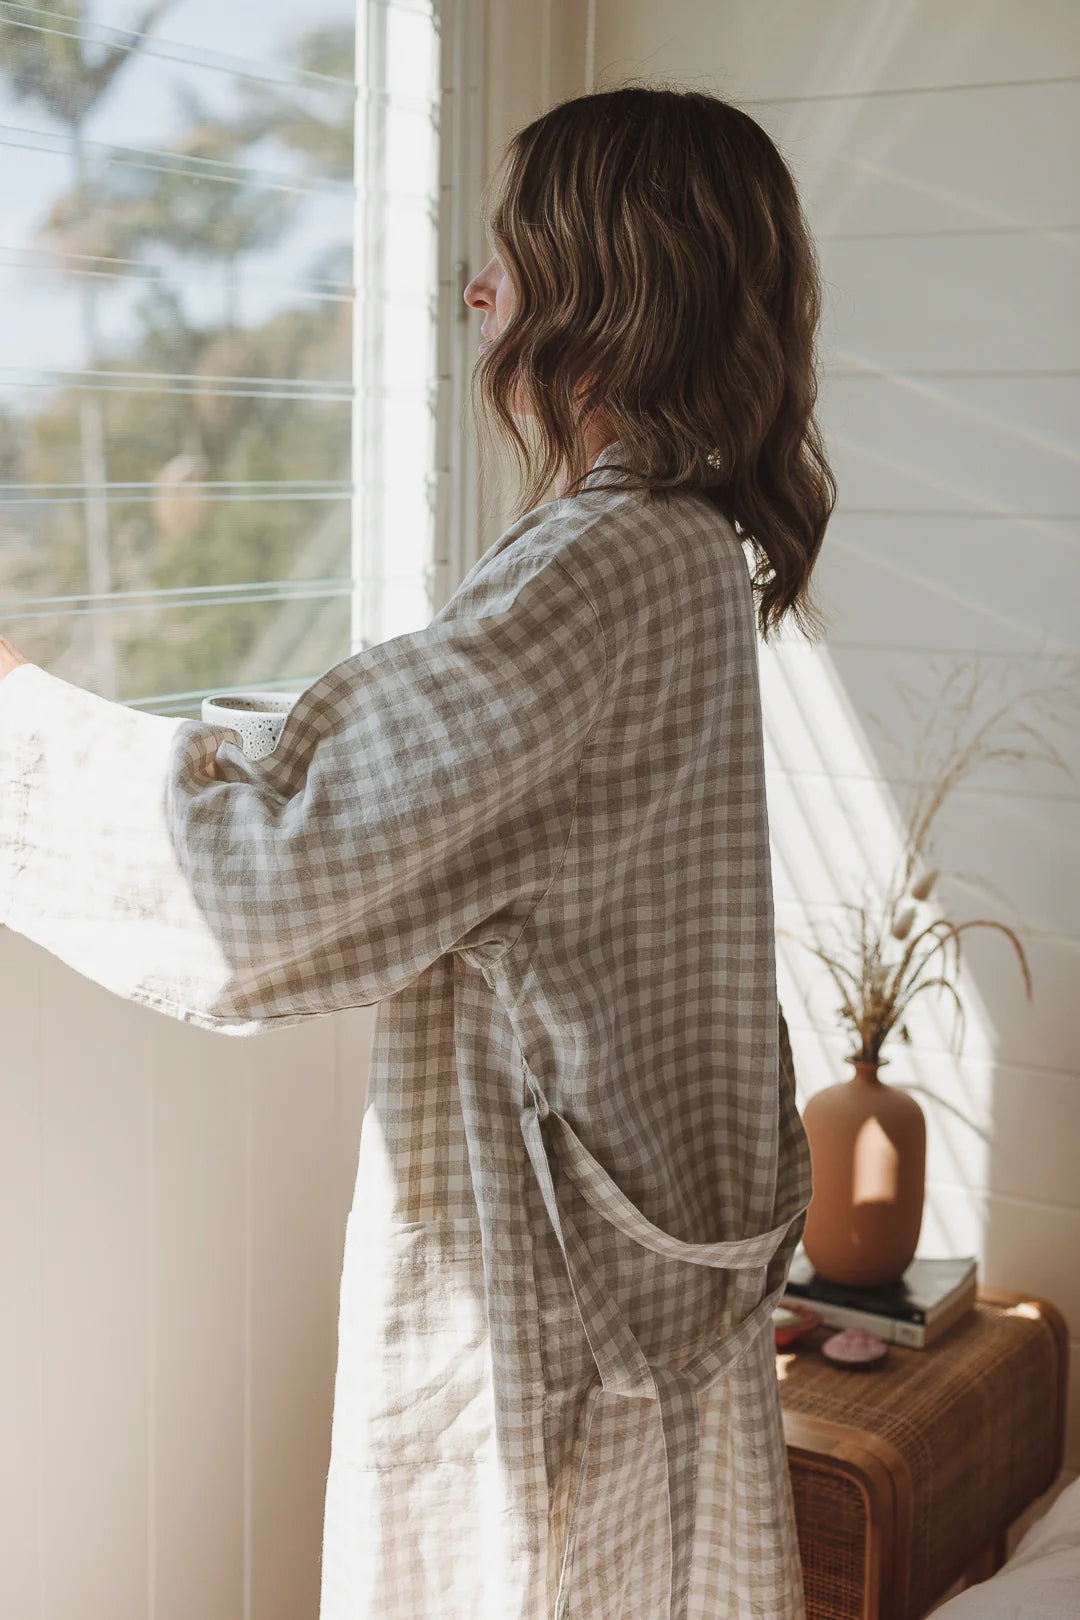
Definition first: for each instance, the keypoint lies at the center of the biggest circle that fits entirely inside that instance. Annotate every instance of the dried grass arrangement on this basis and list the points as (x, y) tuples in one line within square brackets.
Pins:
[(883, 959)]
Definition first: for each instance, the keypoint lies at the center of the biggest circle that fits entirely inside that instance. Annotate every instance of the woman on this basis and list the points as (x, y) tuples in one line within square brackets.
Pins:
[(535, 833)]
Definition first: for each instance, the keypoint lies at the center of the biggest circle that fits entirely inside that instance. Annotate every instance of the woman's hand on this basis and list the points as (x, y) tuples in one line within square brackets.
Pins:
[(10, 657)]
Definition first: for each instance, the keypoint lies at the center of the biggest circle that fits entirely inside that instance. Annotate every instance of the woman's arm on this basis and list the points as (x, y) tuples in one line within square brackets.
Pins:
[(419, 800)]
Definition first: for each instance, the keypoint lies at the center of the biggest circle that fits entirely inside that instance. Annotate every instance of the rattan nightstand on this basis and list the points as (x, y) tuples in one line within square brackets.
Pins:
[(906, 1477)]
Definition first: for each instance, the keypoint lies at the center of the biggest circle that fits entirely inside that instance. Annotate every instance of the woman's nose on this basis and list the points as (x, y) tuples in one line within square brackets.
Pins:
[(479, 294)]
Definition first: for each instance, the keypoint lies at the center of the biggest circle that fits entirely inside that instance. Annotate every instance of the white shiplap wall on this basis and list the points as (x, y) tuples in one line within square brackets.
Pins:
[(935, 151)]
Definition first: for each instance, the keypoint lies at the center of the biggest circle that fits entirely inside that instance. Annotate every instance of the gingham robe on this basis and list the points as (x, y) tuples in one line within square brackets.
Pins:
[(535, 833)]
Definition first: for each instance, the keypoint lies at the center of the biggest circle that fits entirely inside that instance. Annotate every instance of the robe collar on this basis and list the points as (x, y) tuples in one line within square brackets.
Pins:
[(600, 473)]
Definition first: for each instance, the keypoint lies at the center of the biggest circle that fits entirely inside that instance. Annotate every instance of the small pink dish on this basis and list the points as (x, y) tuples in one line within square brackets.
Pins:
[(854, 1347), (785, 1331)]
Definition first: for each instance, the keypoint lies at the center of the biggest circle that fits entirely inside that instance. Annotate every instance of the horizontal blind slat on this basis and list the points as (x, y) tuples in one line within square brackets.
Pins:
[(61, 262), (193, 489), (29, 607), (294, 388), (176, 492), (203, 379), (73, 381), (158, 162)]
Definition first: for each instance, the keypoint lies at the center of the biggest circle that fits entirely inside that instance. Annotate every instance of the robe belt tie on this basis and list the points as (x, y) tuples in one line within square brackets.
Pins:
[(619, 1358)]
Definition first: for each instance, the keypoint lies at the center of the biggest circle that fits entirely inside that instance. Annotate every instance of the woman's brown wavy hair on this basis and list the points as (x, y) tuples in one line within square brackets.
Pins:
[(665, 283)]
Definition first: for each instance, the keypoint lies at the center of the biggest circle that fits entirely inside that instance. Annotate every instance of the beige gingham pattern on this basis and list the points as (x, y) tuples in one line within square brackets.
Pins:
[(535, 833)]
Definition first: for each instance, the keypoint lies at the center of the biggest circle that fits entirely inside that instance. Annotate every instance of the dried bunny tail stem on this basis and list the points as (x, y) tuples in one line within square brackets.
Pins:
[(837, 970), (1003, 928), (954, 930), (863, 949), (867, 952), (912, 946), (819, 945), (924, 888), (901, 928), (894, 985), (896, 886), (963, 757), (934, 791), (878, 970), (928, 984)]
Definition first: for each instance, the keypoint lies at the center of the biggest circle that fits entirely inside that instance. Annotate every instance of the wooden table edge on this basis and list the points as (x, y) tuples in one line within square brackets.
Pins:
[(1050, 1314), (881, 1474)]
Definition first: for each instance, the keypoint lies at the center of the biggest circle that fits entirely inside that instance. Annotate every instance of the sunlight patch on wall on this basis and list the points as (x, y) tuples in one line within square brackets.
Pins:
[(837, 835)]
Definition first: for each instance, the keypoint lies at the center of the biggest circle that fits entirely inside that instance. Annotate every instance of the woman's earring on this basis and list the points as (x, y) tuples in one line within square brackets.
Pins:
[(715, 459)]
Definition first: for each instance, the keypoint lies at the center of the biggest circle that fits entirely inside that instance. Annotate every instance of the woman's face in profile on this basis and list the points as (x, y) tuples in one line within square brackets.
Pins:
[(491, 292)]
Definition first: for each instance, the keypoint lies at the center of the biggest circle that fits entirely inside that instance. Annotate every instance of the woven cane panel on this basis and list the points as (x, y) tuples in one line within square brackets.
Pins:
[(830, 1511), (974, 1417)]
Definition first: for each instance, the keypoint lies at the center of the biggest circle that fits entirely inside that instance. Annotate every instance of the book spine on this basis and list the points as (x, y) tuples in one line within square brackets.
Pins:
[(934, 1319), (903, 1313), (914, 1335), (889, 1328)]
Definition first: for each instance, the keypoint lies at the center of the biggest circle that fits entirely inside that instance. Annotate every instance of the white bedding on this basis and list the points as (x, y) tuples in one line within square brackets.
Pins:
[(1041, 1580)]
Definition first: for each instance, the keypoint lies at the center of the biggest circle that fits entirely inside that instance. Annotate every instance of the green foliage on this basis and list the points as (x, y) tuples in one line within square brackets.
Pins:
[(187, 414)]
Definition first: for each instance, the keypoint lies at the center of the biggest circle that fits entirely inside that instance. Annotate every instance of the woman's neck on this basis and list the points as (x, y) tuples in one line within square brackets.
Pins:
[(596, 439)]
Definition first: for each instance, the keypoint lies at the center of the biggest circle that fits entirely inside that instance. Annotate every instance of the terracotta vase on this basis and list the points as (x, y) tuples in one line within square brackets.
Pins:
[(868, 1152)]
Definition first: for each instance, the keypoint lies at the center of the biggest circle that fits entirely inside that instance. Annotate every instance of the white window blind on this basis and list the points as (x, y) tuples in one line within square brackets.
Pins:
[(217, 359)]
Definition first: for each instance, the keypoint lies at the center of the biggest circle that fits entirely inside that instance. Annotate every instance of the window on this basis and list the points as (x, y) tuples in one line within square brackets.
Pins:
[(217, 379)]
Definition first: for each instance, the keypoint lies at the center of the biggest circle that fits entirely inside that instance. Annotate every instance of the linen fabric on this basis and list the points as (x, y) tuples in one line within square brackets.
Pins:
[(536, 834)]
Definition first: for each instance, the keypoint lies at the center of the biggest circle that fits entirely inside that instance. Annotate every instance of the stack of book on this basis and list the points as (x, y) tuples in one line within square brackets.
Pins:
[(930, 1296)]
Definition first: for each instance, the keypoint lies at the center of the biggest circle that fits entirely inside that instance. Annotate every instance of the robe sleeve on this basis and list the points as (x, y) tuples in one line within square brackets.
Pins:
[(419, 800)]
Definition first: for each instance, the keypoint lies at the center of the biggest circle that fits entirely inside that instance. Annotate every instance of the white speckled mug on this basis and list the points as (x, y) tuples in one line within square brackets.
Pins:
[(256, 717)]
